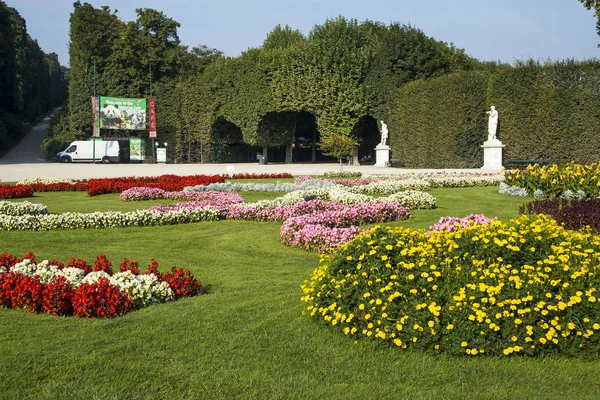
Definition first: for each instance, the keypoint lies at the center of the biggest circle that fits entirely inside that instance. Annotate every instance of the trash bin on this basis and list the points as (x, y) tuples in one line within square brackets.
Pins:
[(262, 160)]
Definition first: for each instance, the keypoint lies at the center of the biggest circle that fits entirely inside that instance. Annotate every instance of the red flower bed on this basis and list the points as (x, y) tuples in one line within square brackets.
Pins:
[(77, 186), (100, 300), (90, 300), (15, 192), (261, 176), (166, 182)]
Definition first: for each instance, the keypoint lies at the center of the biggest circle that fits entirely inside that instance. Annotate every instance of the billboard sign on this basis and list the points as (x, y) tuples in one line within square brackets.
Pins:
[(122, 113)]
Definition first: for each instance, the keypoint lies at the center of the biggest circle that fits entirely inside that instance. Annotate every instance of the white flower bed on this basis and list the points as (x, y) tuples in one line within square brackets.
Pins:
[(261, 187), (413, 199), (47, 181), (110, 219), (22, 208), (512, 190), (388, 187)]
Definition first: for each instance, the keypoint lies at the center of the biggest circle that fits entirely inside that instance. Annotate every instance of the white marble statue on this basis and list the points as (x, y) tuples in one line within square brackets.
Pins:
[(384, 134), (492, 123)]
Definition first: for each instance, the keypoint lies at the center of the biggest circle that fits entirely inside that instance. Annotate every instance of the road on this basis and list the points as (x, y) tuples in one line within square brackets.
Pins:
[(26, 160)]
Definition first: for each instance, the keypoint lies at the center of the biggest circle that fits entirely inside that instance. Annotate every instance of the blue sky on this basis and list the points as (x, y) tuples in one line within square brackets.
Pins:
[(505, 30)]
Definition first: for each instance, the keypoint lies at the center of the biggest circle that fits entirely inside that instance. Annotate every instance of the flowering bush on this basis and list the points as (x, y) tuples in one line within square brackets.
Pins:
[(67, 290), (526, 286), (505, 188), (553, 180), (100, 300), (454, 223), (572, 214), (166, 182), (15, 192), (22, 208)]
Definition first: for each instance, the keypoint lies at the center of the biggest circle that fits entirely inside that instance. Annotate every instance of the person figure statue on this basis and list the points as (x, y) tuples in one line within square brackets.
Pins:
[(492, 123), (384, 134)]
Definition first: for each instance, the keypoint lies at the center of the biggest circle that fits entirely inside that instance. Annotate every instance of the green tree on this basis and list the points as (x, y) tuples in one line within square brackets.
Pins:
[(338, 146), (595, 5)]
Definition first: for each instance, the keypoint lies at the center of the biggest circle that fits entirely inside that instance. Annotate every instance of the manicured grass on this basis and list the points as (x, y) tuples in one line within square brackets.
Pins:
[(247, 339)]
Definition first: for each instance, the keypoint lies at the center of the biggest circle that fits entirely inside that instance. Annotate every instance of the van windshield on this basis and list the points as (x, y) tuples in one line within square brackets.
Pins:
[(72, 149)]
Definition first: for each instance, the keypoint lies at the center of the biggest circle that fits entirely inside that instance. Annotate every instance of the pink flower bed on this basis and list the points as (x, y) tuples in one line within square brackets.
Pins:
[(147, 193), (324, 230), (452, 223), (283, 212)]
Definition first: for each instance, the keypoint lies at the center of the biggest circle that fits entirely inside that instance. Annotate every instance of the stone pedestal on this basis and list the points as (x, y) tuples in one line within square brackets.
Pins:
[(382, 155), (492, 155)]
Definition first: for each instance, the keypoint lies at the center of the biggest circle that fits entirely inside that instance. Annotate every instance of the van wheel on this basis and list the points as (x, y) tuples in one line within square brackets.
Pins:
[(66, 159), (105, 160)]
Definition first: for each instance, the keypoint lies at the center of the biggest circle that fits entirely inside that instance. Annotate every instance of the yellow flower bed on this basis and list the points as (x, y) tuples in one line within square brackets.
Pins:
[(526, 286), (554, 179)]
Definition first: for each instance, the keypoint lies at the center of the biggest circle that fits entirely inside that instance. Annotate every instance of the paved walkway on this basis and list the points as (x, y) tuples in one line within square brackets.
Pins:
[(26, 160)]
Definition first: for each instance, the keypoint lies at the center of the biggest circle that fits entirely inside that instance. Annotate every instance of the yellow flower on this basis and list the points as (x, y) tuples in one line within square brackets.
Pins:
[(464, 344)]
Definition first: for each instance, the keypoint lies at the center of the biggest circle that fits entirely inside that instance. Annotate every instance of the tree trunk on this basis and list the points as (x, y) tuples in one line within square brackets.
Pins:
[(313, 157)]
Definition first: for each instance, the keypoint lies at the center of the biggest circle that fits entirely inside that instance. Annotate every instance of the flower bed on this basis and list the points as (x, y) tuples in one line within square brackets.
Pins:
[(246, 175), (554, 180), (324, 230), (572, 214), (261, 187), (22, 208), (166, 182), (146, 193), (15, 192), (76, 289), (527, 286), (454, 223), (342, 174), (110, 219)]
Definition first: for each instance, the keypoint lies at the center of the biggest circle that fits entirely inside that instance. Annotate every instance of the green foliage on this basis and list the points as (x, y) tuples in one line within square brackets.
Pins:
[(60, 134), (548, 111), (338, 146), (595, 5), (440, 123), (31, 81)]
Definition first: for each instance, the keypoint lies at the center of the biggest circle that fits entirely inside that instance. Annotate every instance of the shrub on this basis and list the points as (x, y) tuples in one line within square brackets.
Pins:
[(572, 214), (526, 286)]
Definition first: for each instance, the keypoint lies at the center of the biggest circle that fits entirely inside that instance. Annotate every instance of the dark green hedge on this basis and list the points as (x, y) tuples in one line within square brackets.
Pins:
[(440, 123), (547, 111)]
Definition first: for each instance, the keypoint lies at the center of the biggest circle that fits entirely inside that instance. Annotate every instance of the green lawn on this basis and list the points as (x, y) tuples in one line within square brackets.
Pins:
[(247, 339)]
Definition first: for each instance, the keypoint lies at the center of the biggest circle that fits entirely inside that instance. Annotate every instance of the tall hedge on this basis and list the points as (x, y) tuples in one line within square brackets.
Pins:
[(440, 123), (549, 111)]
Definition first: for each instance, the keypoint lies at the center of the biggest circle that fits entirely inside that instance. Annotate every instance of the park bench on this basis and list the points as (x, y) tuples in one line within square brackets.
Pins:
[(394, 162), (525, 163)]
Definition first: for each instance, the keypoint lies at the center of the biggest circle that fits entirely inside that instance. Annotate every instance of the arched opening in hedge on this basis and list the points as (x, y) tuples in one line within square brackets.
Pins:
[(290, 137), (228, 144), (366, 132)]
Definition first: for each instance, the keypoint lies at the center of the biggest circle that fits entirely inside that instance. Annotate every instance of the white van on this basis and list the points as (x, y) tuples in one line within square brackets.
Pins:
[(81, 150)]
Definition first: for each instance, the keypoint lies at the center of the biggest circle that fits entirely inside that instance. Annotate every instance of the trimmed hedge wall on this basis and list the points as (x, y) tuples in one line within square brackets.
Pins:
[(545, 112), (440, 123)]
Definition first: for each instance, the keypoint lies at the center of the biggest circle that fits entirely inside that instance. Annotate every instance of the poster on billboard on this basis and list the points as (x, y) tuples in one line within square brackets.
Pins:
[(137, 149), (122, 113)]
